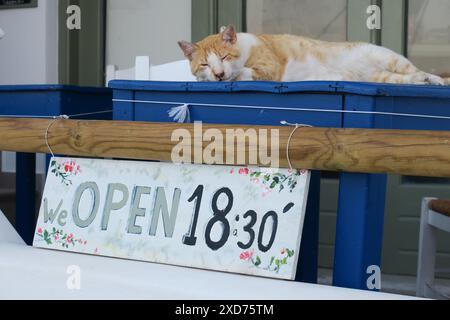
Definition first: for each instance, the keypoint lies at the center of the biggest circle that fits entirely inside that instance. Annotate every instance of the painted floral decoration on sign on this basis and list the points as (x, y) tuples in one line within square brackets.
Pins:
[(273, 181), (65, 170), (59, 237), (275, 263)]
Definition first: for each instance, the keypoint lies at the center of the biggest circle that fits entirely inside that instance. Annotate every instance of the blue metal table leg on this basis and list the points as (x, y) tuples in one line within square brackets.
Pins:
[(309, 250), (359, 229), (48, 158), (25, 195)]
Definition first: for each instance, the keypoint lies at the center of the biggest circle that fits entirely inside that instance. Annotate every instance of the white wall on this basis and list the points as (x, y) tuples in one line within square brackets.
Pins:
[(29, 48), (28, 53), (146, 27)]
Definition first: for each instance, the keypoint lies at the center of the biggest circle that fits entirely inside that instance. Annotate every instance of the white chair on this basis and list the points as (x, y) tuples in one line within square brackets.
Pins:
[(143, 70), (435, 216)]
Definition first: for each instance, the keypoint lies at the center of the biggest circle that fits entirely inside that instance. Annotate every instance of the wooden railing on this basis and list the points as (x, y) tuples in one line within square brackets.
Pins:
[(419, 153)]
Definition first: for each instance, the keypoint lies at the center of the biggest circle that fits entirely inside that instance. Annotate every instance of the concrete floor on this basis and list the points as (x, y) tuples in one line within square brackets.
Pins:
[(404, 285)]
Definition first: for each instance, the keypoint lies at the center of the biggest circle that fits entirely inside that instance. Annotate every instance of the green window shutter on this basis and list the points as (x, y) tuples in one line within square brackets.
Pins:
[(209, 15), (82, 52), (357, 22), (394, 20), (232, 12), (204, 18), (395, 17)]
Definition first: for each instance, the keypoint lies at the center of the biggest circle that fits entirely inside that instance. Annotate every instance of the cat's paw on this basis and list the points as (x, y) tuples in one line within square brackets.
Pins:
[(245, 75), (427, 78), (432, 79)]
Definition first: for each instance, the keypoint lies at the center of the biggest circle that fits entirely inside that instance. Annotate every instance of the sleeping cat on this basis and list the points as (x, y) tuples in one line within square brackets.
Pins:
[(231, 56)]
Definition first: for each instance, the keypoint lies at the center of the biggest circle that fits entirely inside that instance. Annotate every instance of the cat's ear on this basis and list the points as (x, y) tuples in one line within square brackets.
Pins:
[(188, 48), (229, 34)]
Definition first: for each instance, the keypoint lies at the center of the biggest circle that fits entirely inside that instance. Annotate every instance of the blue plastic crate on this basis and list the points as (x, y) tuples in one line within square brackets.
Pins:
[(134, 97), (405, 100), (331, 96), (53, 100)]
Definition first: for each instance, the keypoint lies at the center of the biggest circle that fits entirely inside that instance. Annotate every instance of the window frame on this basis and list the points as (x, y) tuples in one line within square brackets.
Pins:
[(32, 4), (209, 15)]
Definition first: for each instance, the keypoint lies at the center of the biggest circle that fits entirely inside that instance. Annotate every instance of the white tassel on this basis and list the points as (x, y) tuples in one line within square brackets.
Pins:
[(180, 114)]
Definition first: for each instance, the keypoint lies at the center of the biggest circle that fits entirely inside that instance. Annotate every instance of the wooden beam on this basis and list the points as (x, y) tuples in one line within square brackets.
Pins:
[(420, 153)]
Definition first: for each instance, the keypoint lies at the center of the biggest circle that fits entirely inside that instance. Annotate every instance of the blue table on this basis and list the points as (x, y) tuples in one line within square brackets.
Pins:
[(361, 196), (45, 100), (359, 229)]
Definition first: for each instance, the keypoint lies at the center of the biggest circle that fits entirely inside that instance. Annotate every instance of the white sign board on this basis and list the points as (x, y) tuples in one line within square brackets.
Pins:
[(239, 220)]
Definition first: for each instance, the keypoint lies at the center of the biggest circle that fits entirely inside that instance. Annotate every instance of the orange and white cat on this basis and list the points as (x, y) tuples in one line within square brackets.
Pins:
[(231, 56)]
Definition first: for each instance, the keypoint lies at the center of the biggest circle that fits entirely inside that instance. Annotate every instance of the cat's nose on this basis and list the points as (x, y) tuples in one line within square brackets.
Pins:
[(220, 75)]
